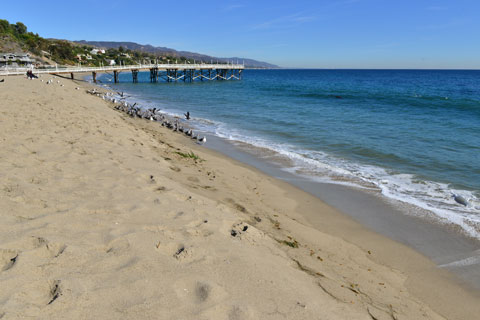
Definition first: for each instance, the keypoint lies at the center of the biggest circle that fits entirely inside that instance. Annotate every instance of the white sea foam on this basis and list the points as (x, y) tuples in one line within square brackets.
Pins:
[(432, 196), (469, 261)]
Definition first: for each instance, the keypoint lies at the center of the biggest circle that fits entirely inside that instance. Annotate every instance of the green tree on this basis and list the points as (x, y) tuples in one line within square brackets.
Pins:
[(20, 28), (4, 26)]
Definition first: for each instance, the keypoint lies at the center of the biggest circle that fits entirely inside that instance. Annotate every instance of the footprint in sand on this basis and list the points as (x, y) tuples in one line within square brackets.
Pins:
[(200, 291), (238, 313), (159, 201), (118, 246), (229, 312), (180, 253), (13, 191), (40, 293), (8, 258), (50, 249), (248, 233), (235, 205), (174, 249), (238, 229), (55, 291), (199, 228), (193, 179), (183, 253)]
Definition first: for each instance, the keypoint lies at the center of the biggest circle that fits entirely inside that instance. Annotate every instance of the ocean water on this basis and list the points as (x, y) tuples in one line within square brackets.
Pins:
[(413, 135)]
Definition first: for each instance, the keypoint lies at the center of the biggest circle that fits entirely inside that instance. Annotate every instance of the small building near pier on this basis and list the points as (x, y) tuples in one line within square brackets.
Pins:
[(16, 59)]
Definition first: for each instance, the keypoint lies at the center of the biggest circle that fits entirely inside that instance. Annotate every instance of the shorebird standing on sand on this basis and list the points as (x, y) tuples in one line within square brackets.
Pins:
[(202, 140)]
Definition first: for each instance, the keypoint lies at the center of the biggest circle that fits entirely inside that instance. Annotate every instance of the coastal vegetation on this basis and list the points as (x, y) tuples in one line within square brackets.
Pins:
[(189, 155)]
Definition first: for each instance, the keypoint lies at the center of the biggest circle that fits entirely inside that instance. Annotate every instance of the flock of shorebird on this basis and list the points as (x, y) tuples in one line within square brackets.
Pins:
[(52, 80), (152, 114)]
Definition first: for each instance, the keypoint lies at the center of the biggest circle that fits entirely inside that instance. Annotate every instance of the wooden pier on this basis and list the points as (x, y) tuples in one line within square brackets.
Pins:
[(158, 72)]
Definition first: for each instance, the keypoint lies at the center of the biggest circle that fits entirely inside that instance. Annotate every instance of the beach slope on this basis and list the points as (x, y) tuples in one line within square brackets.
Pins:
[(105, 217)]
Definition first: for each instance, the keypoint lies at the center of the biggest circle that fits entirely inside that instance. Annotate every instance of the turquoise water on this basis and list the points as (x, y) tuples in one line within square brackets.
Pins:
[(414, 135)]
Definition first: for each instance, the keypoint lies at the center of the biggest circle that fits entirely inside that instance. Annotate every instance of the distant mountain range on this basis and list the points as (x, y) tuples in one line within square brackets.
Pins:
[(172, 52)]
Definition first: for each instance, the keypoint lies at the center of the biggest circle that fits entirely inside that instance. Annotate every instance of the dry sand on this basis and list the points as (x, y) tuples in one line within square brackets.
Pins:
[(101, 218)]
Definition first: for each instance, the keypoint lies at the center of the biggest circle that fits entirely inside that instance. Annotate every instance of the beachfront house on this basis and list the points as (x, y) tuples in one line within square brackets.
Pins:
[(82, 57), (111, 62), (97, 51), (16, 59)]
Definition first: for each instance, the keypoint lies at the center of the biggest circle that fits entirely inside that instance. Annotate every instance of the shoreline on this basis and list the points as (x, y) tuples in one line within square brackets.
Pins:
[(428, 193), (440, 243), (445, 244), (220, 238), (430, 253), (409, 261)]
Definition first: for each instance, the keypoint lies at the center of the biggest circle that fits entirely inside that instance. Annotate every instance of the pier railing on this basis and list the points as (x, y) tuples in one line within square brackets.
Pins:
[(5, 71)]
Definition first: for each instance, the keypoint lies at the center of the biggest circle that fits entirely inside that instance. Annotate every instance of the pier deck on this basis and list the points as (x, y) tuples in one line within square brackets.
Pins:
[(167, 72)]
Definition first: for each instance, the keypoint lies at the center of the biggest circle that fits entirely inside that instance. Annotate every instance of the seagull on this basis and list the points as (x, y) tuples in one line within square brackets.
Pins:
[(202, 140)]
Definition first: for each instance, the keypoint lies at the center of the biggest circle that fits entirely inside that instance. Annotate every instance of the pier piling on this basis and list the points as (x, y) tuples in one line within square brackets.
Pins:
[(115, 76), (135, 76), (153, 75)]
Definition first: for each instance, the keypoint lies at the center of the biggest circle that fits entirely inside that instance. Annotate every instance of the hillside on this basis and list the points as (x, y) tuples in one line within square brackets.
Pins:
[(16, 38), (164, 51)]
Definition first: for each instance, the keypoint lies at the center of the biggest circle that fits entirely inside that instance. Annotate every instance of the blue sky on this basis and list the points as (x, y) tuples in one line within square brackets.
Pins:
[(294, 33)]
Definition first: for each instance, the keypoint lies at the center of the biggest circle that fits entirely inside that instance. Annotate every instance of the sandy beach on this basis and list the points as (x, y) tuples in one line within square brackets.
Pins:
[(104, 217)]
